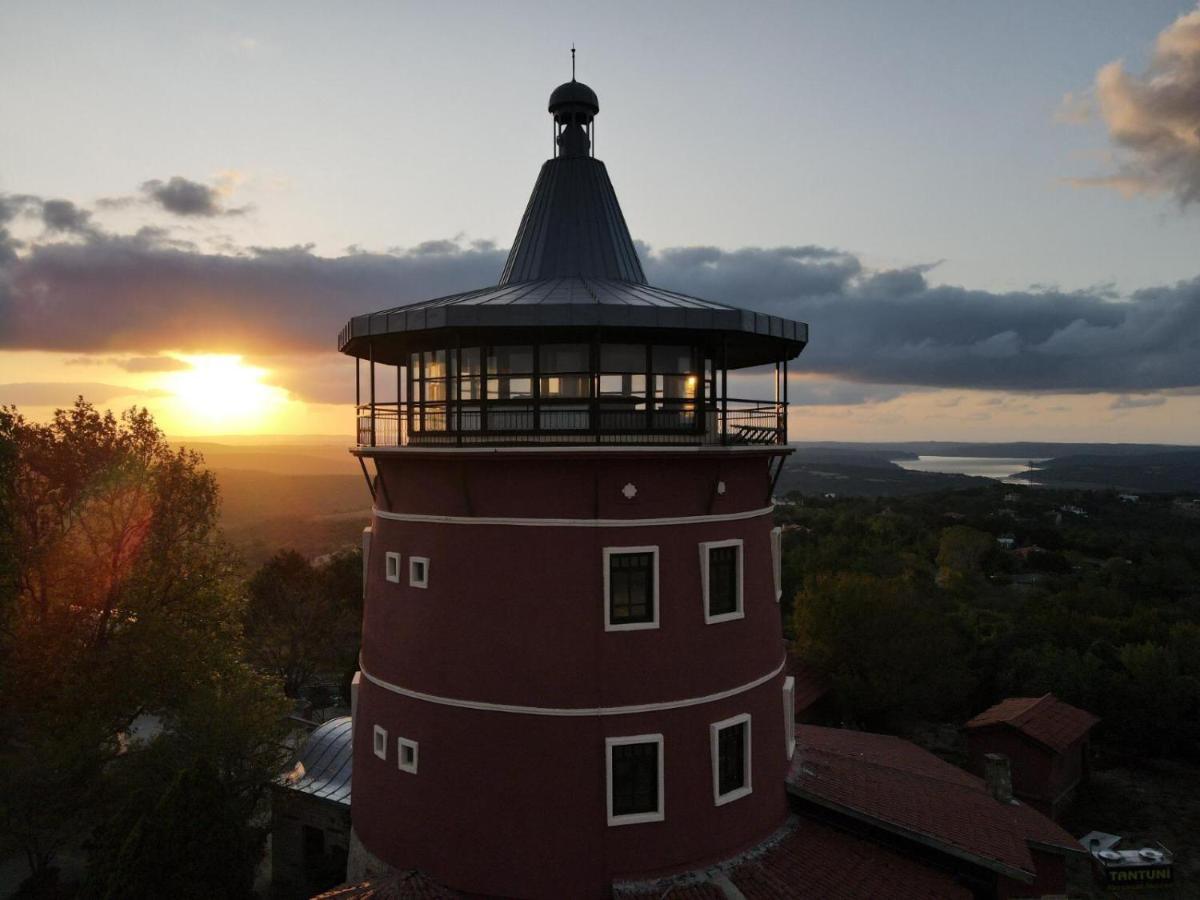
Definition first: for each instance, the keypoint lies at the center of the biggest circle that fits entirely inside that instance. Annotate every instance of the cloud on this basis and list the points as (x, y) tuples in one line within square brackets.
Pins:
[(1127, 402), (893, 327), (183, 197), (54, 393), (133, 295), (154, 364), (805, 392), (1154, 118), (63, 215), (133, 364)]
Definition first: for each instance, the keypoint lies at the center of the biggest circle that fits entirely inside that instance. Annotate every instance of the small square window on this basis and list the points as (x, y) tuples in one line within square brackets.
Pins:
[(721, 577), (406, 755), (730, 759), (381, 742), (392, 566), (789, 715), (418, 571), (630, 588), (635, 779)]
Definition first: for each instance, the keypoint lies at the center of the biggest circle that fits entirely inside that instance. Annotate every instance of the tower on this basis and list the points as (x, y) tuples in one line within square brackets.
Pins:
[(572, 669)]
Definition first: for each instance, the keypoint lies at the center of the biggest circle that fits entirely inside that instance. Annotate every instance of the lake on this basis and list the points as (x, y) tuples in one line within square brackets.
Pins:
[(984, 466)]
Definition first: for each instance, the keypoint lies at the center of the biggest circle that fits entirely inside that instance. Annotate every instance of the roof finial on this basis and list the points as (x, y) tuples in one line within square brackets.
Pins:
[(572, 60)]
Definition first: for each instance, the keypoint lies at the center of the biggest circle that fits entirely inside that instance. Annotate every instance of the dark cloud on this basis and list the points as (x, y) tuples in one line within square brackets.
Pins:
[(183, 197), (840, 393), (1154, 119), (153, 364), (65, 216), (138, 294), (54, 393), (133, 363), (895, 328)]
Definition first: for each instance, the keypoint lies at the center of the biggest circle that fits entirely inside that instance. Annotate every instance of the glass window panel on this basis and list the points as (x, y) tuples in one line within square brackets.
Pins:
[(564, 358), (623, 385), (634, 779), (671, 359), (681, 387), (435, 391), (630, 588), (470, 361), (567, 386), (434, 363), (469, 389), (510, 360), (510, 388), (722, 580), (433, 418), (731, 758), (622, 358)]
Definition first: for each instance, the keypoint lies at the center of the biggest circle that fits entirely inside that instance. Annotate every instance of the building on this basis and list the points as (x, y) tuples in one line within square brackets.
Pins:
[(1046, 741), (872, 817), (571, 671), (310, 814), (891, 791)]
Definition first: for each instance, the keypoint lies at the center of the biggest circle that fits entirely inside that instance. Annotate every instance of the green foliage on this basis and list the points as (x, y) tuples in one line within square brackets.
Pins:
[(125, 606), (302, 619), (961, 554), (890, 649), (1102, 610)]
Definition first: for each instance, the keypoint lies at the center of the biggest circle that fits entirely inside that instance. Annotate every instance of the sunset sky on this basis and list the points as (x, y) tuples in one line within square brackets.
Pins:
[(988, 213)]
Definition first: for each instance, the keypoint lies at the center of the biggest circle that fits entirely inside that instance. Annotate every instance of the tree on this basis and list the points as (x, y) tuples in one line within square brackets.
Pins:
[(891, 651), (960, 557), (302, 619), (125, 605)]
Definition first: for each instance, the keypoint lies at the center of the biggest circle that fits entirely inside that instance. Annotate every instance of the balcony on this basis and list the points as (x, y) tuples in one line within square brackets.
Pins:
[(729, 422)]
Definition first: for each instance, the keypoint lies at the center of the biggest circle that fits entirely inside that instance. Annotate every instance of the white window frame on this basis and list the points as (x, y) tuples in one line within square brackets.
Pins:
[(391, 566), (657, 815), (629, 626), (777, 560), (740, 612), (403, 744), (714, 731), (381, 742), (413, 562), (789, 715)]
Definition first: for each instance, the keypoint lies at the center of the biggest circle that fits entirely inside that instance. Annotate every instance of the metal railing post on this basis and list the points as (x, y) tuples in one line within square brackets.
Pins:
[(371, 352)]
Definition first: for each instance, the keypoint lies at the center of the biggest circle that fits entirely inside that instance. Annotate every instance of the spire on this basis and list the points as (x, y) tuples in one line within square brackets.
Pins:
[(573, 225), (572, 60)]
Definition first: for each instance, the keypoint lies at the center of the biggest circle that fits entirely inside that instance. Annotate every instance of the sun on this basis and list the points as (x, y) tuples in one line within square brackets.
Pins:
[(222, 392)]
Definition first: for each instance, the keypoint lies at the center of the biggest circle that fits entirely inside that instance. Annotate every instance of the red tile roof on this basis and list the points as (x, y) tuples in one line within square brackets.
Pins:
[(898, 786), (1046, 719), (813, 861), (819, 861), (405, 885)]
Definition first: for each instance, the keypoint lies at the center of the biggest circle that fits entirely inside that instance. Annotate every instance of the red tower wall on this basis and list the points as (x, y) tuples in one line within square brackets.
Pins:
[(513, 801)]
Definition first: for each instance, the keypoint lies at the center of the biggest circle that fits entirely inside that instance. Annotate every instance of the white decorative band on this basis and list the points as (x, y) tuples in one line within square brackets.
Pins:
[(574, 523), (570, 711)]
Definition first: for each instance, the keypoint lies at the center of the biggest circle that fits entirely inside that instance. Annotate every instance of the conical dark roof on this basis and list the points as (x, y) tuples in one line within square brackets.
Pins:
[(573, 227), (573, 266)]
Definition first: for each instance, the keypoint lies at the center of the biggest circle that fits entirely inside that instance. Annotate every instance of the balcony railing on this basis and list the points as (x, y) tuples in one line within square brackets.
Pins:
[(406, 424)]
